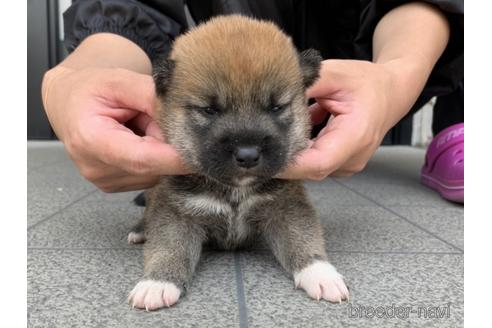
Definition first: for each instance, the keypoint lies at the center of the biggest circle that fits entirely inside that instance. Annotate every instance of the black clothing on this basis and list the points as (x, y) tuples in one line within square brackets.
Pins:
[(448, 110), (337, 28)]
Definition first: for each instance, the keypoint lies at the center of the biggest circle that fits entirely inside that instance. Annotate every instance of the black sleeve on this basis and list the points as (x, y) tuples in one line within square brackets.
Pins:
[(447, 74), (153, 30)]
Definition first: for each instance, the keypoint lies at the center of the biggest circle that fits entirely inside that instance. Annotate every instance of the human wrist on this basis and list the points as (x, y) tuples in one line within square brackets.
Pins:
[(49, 78), (408, 77), (50, 97), (409, 51)]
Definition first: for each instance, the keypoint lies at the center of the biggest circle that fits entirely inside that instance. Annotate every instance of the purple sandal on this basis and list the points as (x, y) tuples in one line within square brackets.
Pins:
[(444, 165)]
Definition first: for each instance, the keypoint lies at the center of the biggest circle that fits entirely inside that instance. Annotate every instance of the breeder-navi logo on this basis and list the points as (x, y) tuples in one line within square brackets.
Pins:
[(399, 311)]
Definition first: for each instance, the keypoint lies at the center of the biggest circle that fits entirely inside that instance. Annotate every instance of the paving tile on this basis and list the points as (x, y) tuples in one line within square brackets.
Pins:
[(373, 229), (328, 192), (375, 280), (80, 267), (447, 223), (91, 223), (88, 288), (88, 224), (53, 187), (391, 165), (392, 177), (400, 194), (114, 197), (43, 153)]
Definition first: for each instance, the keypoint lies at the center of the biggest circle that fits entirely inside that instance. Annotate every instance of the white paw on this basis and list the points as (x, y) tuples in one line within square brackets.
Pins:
[(136, 237), (321, 280), (152, 294)]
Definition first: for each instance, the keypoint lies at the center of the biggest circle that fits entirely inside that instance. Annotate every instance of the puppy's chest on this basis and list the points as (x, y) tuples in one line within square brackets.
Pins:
[(228, 220)]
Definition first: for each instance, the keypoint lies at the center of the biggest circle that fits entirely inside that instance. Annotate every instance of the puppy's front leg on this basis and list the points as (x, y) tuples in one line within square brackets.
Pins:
[(171, 254), (295, 237)]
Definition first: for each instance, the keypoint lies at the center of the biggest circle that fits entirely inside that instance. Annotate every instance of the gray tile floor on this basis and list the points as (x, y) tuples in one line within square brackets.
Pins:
[(399, 245)]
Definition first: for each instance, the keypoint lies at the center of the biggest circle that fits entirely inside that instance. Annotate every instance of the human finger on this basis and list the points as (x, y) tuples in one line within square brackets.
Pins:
[(120, 147), (326, 155), (318, 114), (131, 90)]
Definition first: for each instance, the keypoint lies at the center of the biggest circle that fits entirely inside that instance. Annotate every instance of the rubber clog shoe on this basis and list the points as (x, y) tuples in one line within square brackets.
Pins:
[(444, 165)]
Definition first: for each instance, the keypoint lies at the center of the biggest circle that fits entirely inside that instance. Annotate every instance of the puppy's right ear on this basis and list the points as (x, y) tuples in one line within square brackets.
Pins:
[(162, 74)]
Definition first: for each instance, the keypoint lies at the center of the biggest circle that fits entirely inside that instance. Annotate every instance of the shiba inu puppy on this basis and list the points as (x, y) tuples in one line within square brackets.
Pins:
[(233, 104)]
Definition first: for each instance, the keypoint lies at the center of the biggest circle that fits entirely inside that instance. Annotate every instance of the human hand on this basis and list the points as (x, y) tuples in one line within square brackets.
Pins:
[(365, 101), (104, 118), (367, 98)]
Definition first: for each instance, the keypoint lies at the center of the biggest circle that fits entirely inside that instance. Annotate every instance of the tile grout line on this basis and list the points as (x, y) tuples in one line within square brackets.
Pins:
[(379, 252), (61, 209), (400, 216), (396, 252), (34, 248), (243, 311)]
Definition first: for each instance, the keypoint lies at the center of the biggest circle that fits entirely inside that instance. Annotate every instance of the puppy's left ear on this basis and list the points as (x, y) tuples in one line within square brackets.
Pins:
[(162, 73), (310, 61)]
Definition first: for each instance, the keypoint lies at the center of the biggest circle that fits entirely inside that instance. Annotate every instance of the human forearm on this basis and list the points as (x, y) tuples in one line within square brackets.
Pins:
[(107, 50), (100, 50), (408, 41), (415, 30)]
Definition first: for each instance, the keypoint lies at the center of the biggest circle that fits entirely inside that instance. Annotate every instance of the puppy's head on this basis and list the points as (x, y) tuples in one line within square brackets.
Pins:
[(232, 98)]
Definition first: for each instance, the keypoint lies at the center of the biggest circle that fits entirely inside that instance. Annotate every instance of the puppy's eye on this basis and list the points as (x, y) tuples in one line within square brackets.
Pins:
[(278, 108), (210, 111)]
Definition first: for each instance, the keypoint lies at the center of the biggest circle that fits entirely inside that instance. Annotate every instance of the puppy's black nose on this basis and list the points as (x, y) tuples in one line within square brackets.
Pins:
[(247, 156)]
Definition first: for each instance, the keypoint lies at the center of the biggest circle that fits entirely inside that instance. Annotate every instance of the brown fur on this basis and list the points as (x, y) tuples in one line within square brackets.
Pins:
[(198, 51)]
